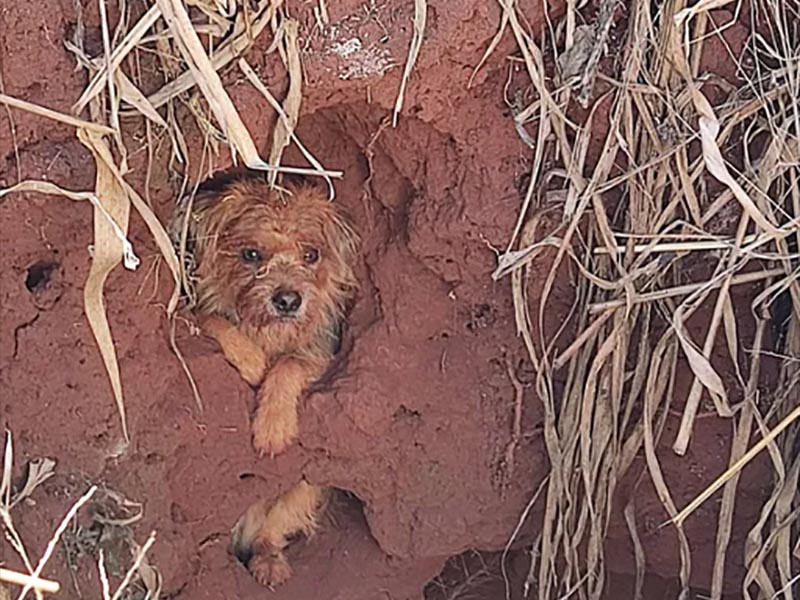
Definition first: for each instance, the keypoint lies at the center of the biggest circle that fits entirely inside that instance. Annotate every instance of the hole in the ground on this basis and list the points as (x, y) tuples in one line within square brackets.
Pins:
[(370, 219), (39, 275), (405, 413)]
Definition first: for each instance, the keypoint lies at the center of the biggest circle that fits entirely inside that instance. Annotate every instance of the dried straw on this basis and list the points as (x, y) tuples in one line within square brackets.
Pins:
[(606, 376)]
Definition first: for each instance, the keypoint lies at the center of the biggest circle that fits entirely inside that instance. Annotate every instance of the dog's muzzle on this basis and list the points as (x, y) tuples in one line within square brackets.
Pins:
[(286, 302)]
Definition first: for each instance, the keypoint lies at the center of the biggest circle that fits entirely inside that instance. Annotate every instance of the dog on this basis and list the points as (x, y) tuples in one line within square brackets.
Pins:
[(273, 277)]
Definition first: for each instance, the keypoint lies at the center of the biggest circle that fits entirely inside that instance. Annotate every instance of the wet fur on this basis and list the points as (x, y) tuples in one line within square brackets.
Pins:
[(281, 357)]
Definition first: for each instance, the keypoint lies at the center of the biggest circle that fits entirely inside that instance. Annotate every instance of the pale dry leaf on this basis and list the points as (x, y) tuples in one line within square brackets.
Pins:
[(131, 261), (40, 586), (253, 78), (322, 9), (39, 471), (284, 128), (210, 85), (731, 335), (105, 586), (683, 16), (134, 568), (785, 514), (128, 43), (514, 259), (151, 578), (105, 258), (8, 463), (718, 316), (111, 88), (756, 548), (15, 541), (524, 135), (51, 545), (103, 155), (209, 82), (692, 403), (134, 96), (684, 290), (241, 40), (715, 163), (52, 114), (735, 468), (629, 513), (420, 18), (498, 36), (657, 388), (702, 369), (738, 447)]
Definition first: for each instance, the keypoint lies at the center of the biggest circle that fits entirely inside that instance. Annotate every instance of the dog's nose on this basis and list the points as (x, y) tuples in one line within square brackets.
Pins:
[(286, 302)]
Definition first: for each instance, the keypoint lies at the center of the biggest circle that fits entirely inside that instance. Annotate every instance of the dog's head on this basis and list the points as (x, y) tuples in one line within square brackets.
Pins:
[(276, 258)]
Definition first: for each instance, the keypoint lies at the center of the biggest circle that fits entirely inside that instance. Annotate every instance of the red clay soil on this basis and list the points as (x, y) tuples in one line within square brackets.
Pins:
[(415, 425)]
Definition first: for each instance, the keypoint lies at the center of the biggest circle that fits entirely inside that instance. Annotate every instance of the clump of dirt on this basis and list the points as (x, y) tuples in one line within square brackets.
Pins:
[(415, 427)]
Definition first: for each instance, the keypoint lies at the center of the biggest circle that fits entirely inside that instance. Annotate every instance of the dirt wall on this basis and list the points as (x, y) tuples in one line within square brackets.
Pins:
[(415, 426)]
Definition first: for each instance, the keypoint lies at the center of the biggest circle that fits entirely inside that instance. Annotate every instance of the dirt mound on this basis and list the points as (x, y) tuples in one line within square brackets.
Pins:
[(416, 426)]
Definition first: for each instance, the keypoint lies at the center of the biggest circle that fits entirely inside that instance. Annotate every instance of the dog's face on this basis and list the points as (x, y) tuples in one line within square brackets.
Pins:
[(273, 260)]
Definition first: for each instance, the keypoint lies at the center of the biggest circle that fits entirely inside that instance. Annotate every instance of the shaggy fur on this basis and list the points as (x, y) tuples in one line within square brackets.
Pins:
[(250, 243), (273, 278), (260, 536)]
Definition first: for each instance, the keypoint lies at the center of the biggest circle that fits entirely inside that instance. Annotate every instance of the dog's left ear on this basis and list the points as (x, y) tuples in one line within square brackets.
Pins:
[(342, 239)]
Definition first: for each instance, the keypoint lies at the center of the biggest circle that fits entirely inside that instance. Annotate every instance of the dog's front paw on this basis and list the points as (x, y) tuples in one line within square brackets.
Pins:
[(242, 352), (270, 570), (274, 430), (251, 368)]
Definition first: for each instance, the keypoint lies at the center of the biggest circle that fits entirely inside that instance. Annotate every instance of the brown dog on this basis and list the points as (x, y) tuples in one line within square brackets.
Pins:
[(273, 276)]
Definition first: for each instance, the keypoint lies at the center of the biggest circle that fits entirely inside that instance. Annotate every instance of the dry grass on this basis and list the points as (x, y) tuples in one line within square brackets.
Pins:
[(464, 577), (651, 204), (420, 20), (39, 471)]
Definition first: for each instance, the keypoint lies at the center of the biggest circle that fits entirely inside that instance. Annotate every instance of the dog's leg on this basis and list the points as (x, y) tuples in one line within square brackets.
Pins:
[(275, 424), (242, 352), (262, 534)]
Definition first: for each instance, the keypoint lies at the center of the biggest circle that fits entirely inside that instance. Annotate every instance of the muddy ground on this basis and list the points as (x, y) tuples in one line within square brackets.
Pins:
[(415, 426)]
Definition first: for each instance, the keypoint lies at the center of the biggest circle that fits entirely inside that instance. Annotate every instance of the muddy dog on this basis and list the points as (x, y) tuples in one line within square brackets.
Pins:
[(273, 275)]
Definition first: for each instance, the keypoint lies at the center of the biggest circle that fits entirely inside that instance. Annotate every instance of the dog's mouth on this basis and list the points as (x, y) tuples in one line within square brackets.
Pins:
[(284, 318)]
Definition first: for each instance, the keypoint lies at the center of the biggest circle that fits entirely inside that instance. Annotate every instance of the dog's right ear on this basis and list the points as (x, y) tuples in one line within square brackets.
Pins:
[(206, 195), (188, 216)]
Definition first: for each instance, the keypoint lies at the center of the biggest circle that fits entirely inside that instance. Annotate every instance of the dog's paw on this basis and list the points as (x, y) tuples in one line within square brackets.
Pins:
[(274, 430), (251, 368), (270, 570), (242, 352)]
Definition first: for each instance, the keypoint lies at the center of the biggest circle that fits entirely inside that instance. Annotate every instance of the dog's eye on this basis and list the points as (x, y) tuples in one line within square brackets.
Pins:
[(251, 255), (311, 256)]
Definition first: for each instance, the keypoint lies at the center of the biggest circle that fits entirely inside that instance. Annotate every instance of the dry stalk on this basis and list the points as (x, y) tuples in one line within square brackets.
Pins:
[(632, 250)]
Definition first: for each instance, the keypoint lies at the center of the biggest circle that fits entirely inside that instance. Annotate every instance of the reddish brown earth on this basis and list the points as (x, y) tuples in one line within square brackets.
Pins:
[(414, 427)]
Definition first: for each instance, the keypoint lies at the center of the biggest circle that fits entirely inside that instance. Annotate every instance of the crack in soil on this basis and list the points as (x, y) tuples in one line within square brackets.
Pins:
[(17, 331)]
